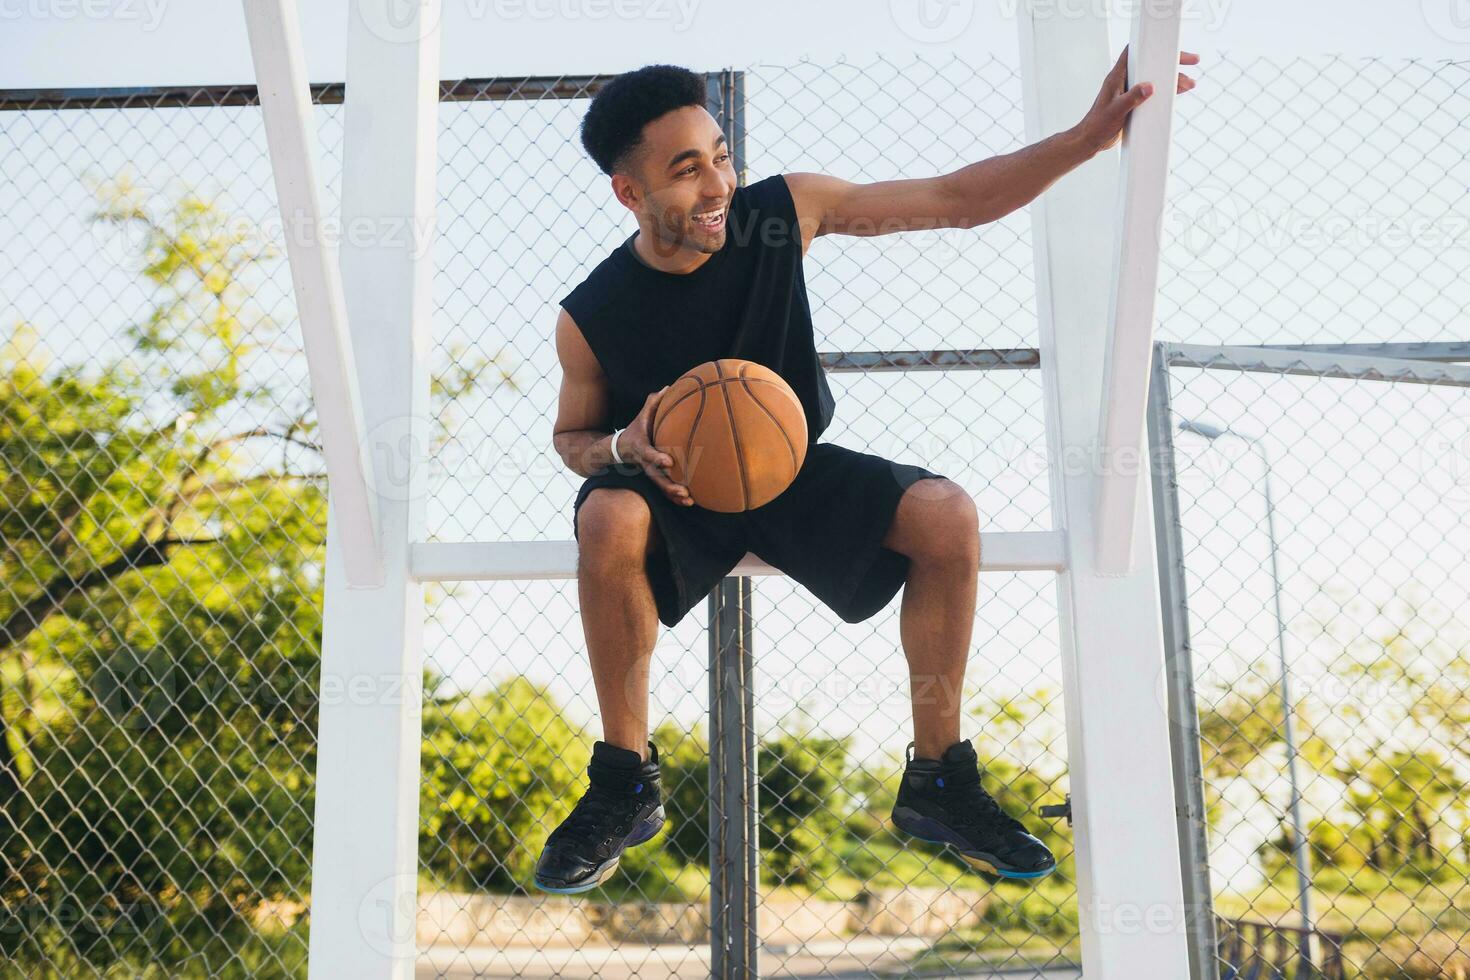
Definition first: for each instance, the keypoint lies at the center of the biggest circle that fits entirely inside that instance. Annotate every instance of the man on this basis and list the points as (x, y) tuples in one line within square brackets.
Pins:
[(715, 270)]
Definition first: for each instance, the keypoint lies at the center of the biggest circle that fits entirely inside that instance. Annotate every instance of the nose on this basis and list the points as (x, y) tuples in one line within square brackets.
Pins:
[(714, 186)]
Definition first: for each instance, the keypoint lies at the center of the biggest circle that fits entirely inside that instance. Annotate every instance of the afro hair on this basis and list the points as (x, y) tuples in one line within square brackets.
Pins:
[(613, 127)]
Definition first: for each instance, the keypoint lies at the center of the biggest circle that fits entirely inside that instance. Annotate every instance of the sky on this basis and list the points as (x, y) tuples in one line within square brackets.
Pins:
[(140, 42), (1264, 166)]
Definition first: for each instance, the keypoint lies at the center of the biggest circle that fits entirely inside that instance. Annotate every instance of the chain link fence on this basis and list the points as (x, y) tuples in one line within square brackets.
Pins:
[(164, 516), (1324, 203), (838, 890), (1321, 512)]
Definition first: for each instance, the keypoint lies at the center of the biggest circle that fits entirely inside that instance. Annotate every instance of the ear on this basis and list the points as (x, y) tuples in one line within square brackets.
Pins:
[(627, 191)]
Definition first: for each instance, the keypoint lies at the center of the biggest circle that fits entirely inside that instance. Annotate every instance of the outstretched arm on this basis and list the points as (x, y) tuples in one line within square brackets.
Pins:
[(975, 194)]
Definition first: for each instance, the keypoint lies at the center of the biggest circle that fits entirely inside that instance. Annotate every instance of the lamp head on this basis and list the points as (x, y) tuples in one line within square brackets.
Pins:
[(1202, 429)]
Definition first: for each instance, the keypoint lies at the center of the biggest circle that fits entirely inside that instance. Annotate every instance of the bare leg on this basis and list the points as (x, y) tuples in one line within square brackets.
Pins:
[(937, 528), (615, 534)]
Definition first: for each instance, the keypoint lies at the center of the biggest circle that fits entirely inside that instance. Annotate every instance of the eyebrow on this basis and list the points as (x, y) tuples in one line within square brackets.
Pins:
[(691, 153)]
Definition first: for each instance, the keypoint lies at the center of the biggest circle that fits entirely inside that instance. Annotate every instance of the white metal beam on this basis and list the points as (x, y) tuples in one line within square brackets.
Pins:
[(1129, 888), (285, 103), (1153, 56), (1318, 364), (435, 561), (365, 850)]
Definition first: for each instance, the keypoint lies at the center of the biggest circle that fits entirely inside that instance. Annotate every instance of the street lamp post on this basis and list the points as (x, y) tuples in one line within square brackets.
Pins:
[(1301, 856)]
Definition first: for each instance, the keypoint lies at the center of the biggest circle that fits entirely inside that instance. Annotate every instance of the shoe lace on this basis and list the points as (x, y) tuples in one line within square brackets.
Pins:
[(976, 807), (593, 810)]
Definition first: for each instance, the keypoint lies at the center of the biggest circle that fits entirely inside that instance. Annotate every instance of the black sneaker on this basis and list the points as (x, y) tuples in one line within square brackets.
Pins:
[(943, 803), (621, 808)]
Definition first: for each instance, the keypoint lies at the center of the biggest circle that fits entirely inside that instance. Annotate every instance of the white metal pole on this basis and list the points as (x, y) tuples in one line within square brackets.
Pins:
[(512, 561), (1130, 890), (1300, 843), (285, 104), (1153, 56), (365, 855)]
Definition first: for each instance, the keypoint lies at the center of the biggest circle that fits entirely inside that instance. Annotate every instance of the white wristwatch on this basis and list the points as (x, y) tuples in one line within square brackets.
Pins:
[(616, 458)]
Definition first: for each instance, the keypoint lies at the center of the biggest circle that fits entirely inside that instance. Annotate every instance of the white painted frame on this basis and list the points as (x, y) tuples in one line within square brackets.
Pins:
[(364, 860), (1130, 890), (1153, 56), (365, 856), (1024, 551), (285, 101), (372, 295)]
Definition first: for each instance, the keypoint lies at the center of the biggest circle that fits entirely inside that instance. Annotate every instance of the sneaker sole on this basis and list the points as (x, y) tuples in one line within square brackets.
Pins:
[(643, 833), (931, 831)]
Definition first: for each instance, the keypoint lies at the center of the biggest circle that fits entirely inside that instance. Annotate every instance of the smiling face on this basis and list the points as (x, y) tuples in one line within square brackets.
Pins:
[(685, 180)]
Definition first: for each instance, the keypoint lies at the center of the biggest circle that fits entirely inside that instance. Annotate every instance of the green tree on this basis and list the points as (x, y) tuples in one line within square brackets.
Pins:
[(1400, 666), (684, 772), (159, 629), (803, 800), (500, 771), (160, 596), (1018, 742)]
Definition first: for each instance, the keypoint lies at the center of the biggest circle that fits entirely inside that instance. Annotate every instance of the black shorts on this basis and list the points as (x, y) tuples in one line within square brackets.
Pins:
[(825, 531)]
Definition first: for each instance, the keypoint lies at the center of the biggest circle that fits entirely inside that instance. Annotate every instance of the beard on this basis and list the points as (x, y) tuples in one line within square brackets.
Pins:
[(681, 231)]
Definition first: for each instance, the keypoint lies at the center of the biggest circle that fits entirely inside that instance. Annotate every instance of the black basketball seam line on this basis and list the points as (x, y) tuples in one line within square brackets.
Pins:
[(734, 436), (690, 394), (790, 446), (663, 413), (693, 428), (735, 439), (700, 389), (699, 381), (663, 410)]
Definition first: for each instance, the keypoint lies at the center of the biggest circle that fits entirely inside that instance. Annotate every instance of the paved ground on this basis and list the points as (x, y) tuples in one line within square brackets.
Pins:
[(835, 960)]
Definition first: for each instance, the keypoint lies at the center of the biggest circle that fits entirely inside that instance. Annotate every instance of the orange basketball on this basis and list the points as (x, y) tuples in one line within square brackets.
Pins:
[(736, 432)]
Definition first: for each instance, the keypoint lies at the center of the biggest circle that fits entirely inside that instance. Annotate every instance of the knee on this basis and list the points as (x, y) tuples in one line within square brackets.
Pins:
[(951, 523), (612, 530)]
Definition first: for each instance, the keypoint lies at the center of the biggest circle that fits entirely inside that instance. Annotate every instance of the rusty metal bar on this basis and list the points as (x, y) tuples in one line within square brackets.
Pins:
[(510, 89), (973, 359)]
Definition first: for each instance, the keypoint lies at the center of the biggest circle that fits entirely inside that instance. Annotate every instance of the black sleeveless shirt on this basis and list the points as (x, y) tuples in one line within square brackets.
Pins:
[(747, 300)]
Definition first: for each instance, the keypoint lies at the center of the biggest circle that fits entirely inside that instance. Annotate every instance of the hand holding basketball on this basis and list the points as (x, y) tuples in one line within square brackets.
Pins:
[(634, 446), (736, 432)]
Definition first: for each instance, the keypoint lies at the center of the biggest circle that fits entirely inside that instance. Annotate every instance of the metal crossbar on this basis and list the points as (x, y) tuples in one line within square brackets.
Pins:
[(434, 561)]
